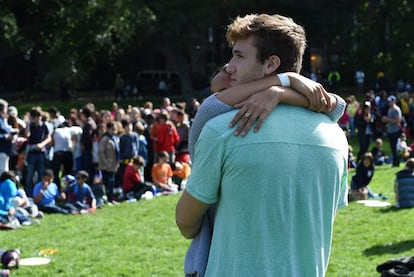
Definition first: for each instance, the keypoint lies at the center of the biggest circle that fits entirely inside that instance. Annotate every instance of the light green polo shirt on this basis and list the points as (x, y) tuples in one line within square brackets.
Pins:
[(277, 190)]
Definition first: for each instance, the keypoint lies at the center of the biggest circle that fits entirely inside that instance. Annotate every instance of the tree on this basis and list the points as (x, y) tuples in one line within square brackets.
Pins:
[(69, 37)]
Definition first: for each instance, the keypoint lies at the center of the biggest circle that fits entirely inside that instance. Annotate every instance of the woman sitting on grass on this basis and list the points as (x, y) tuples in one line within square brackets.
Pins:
[(363, 176)]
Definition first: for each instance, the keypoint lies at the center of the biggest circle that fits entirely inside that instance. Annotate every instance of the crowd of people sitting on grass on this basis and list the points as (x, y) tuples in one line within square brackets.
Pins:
[(77, 163)]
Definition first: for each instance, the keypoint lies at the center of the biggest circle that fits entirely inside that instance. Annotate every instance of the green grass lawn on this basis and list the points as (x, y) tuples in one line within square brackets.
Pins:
[(141, 239), (132, 239)]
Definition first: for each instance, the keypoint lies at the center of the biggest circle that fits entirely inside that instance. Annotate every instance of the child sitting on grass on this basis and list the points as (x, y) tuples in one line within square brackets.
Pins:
[(162, 174)]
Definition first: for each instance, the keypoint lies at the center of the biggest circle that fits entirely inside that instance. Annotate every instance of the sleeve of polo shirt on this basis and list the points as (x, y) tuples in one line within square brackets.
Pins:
[(205, 179)]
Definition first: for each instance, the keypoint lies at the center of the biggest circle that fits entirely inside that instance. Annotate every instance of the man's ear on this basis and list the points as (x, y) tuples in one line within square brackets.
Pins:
[(273, 64)]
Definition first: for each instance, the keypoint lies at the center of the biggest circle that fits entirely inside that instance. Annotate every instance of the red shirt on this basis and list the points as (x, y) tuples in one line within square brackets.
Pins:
[(167, 137), (131, 177)]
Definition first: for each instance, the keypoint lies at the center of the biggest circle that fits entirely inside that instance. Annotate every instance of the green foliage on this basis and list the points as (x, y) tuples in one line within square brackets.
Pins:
[(73, 35)]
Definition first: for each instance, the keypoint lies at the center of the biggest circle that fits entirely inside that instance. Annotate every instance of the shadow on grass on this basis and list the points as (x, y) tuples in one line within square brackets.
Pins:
[(392, 209), (388, 210), (390, 248)]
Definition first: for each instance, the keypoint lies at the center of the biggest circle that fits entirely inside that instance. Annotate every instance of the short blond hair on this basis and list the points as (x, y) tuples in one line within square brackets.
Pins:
[(273, 35)]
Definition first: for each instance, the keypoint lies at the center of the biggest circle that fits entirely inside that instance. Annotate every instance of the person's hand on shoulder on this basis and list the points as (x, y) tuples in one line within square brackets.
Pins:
[(255, 109), (318, 97)]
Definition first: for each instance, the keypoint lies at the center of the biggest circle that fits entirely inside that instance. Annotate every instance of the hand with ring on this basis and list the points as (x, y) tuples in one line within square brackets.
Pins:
[(255, 110)]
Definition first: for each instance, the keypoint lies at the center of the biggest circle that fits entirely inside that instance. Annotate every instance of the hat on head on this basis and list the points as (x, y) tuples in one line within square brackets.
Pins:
[(367, 104), (12, 110), (392, 98), (69, 178)]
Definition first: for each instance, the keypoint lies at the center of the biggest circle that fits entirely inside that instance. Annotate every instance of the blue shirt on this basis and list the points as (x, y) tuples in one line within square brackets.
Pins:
[(49, 194), (128, 146), (82, 194), (8, 190)]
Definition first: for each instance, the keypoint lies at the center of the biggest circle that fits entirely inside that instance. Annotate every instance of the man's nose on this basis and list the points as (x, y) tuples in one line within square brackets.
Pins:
[(230, 68)]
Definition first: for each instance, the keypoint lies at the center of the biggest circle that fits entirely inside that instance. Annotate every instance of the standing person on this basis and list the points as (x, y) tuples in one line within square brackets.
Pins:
[(238, 162), (38, 137), (183, 130), (352, 107), (62, 139), (393, 121), (108, 153), (86, 140), (167, 136), (128, 148), (364, 123), (56, 118), (7, 135)]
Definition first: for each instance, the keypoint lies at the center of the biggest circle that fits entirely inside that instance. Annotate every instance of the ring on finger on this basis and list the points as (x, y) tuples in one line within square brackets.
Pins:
[(247, 115), (323, 100)]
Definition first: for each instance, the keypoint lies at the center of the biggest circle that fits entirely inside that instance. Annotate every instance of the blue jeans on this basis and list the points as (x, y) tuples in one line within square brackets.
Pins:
[(36, 162)]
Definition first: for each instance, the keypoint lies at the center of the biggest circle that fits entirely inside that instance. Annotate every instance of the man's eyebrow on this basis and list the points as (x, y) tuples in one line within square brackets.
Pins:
[(236, 51)]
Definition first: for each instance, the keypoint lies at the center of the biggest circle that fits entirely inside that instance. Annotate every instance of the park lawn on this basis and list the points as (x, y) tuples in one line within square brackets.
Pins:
[(141, 238), (132, 239)]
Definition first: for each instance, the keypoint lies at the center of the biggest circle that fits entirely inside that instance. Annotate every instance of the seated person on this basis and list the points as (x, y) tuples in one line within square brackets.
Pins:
[(132, 185), (162, 173), (45, 194), (402, 147), (80, 195), (363, 175), (404, 186), (181, 172), (378, 152), (8, 191), (26, 205)]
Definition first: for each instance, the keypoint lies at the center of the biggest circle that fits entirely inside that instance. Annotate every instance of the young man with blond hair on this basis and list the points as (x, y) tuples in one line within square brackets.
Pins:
[(273, 218)]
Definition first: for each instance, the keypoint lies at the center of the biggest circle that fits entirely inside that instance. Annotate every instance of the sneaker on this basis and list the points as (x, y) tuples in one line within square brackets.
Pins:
[(40, 215)]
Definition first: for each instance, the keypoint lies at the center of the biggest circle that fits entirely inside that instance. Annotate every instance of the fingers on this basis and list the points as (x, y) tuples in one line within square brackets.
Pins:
[(239, 115), (260, 121), (245, 123), (319, 100)]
